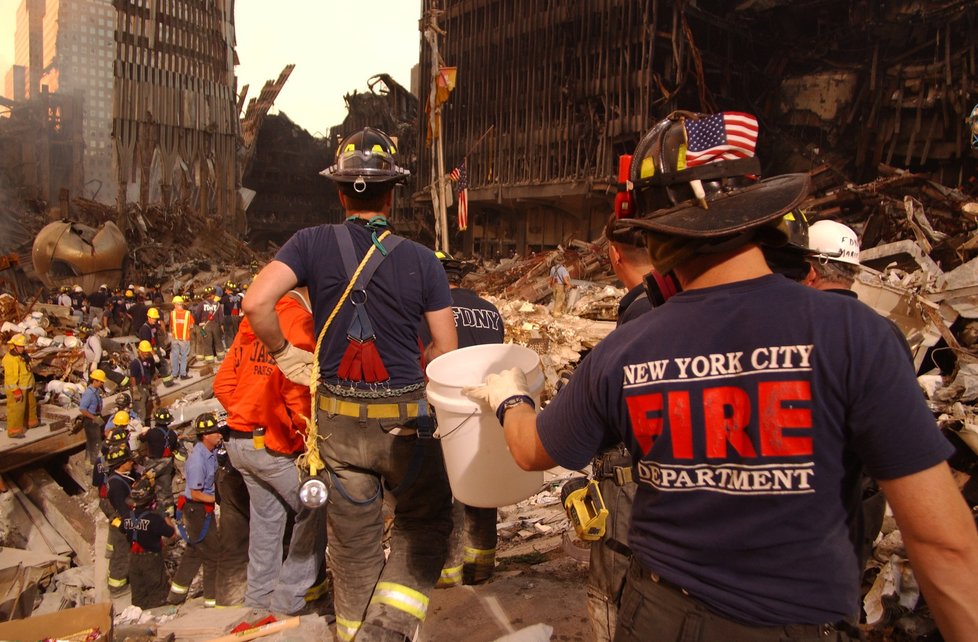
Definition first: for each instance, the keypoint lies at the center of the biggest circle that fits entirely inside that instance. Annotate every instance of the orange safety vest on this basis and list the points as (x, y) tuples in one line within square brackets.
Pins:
[(180, 327)]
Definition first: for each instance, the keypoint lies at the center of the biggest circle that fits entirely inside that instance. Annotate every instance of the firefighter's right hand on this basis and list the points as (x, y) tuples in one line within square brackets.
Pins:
[(497, 388), (295, 363)]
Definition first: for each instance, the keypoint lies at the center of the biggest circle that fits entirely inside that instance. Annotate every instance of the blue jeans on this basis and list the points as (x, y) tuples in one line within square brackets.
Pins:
[(273, 485), (179, 353)]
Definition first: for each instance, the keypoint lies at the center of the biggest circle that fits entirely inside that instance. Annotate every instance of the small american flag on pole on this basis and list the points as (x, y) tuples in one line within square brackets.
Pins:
[(724, 136), (459, 176)]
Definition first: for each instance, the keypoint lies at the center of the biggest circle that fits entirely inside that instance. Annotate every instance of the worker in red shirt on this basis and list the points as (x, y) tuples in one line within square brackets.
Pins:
[(267, 416)]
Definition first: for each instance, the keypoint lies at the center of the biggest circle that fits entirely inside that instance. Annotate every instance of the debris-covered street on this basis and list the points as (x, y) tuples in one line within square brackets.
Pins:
[(232, 411)]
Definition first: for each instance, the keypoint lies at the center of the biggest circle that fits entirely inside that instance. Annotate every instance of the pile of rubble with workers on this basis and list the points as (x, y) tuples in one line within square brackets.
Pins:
[(722, 416)]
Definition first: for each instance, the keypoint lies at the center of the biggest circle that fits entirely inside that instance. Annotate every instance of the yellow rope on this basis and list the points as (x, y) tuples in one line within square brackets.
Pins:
[(310, 459)]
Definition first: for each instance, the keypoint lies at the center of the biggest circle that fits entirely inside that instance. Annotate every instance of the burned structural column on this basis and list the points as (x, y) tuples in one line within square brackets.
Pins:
[(175, 95)]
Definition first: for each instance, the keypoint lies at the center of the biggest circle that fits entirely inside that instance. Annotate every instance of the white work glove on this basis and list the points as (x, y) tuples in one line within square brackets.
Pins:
[(295, 363), (499, 388)]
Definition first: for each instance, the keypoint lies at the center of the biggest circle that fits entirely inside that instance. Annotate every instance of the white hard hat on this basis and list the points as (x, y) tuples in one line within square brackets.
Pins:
[(834, 241)]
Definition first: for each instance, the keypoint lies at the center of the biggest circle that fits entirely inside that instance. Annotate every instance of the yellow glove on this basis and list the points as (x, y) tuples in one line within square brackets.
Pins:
[(295, 363)]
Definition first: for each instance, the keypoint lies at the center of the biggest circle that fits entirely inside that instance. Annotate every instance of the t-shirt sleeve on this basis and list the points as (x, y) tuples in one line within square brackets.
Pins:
[(571, 427), (893, 430), (437, 294), (295, 251)]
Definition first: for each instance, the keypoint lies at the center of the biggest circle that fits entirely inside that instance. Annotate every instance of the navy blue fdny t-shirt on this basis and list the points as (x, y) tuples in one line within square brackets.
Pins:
[(750, 410), (476, 320), (408, 283)]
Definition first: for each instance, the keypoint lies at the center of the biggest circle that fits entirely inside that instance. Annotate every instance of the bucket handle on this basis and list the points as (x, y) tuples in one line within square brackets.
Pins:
[(438, 435)]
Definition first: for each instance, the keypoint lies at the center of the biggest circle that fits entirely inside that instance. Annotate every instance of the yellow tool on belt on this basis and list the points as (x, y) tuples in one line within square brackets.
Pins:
[(585, 507)]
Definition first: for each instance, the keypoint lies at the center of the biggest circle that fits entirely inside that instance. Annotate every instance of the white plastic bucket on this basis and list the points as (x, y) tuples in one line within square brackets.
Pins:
[(480, 467)]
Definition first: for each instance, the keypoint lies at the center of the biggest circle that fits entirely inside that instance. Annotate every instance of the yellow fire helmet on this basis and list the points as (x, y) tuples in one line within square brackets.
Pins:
[(18, 340), (145, 346), (121, 418), (153, 313)]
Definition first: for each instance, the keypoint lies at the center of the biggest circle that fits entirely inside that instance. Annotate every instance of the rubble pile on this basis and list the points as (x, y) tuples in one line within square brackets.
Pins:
[(171, 242)]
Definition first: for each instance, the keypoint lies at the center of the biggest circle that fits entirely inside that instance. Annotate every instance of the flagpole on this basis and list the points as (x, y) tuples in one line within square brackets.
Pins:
[(434, 124)]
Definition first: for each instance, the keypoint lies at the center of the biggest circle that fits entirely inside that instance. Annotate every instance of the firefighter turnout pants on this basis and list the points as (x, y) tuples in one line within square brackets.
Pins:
[(21, 414), (210, 342), (118, 553), (374, 600), (93, 438), (204, 552), (610, 558), (232, 569), (472, 547), (147, 575)]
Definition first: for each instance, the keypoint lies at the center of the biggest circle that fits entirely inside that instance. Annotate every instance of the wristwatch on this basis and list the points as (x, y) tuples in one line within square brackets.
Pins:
[(512, 402)]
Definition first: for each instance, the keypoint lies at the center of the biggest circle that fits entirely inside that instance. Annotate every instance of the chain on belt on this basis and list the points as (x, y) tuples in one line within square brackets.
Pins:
[(375, 392)]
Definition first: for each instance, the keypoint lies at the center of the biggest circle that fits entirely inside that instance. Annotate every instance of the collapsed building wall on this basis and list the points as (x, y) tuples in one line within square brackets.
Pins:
[(563, 89)]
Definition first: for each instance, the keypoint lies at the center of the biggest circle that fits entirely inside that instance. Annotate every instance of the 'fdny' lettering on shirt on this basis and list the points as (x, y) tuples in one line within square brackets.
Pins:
[(474, 318)]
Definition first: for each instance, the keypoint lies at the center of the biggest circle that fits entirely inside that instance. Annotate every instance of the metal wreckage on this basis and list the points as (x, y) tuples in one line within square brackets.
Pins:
[(877, 104)]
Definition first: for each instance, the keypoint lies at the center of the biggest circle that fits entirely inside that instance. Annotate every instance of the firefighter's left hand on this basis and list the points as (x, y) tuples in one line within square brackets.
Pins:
[(295, 363)]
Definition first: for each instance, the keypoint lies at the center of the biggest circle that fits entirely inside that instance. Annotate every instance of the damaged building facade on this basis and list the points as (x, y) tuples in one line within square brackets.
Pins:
[(549, 95)]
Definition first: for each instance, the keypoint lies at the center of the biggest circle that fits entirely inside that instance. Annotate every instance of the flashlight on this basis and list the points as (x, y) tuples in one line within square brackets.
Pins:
[(313, 493)]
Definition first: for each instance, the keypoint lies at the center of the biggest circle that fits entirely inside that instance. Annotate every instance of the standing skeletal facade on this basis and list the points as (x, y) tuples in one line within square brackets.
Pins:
[(175, 116)]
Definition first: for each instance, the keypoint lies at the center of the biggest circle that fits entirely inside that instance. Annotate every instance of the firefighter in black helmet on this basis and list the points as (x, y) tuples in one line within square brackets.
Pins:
[(195, 518), (371, 381)]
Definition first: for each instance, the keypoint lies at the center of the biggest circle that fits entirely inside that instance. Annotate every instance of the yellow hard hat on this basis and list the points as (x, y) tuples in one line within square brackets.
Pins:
[(18, 340), (129, 294), (145, 346), (153, 313), (177, 299), (97, 375), (217, 298), (121, 418)]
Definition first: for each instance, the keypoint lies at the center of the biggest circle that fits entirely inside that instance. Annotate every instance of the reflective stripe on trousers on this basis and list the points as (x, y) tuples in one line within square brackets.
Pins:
[(361, 455)]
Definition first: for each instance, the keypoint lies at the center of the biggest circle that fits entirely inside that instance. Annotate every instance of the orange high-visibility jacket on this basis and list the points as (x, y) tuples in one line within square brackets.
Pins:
[(181, 323), (255, 392)]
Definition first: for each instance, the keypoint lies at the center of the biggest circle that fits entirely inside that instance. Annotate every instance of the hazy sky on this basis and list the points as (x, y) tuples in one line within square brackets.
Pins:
[(336, 46)]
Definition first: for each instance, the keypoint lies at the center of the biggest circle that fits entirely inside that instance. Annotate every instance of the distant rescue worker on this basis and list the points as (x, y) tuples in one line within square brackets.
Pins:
[(64, 297), (147, 529), (195, 517), (18, 383), (90, 409), (267, 416), (97, 302), (231, 302), (162, 447), (181, 328), (118, 484), (143, 375), (371, 399), (138, 312), (559, 280), (154, 332), (210, 320), (79, 304), (472, 547)]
